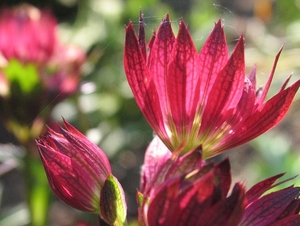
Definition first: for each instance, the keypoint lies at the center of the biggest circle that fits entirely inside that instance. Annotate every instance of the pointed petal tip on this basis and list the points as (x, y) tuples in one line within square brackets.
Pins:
[(182, 26), (280, 50), (181, 23), (296, 84), (240, 45), (241, 40), (268, 84), (167, 17), (141, 19), (218, 28), (64, 120), (286, 82), (67, 124), (129, 26), (141, 15), (219, 22), (278, 55)]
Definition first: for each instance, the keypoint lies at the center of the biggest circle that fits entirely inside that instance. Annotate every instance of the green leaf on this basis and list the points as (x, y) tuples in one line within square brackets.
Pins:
[(24, 75)]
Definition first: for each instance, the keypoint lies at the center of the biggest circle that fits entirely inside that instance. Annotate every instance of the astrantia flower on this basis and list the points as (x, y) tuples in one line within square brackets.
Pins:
[(199, 98), (79, 173), (187, 191), (27, 33), (36, 70)]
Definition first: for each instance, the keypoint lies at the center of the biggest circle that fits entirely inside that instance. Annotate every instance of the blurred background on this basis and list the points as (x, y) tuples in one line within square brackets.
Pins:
[(104, 108)]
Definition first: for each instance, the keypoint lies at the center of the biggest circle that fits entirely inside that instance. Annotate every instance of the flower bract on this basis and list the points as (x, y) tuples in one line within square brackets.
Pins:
[(184, 190)]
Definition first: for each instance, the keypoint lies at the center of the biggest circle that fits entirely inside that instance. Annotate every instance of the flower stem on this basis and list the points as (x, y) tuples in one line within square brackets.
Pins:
[(37, 189)]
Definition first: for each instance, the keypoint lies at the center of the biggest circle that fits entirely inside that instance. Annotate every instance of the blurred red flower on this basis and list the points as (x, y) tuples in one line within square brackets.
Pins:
[(36, 70)]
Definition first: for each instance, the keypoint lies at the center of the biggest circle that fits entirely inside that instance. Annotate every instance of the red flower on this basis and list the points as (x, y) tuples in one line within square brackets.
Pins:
[(199, 98), (36, 70), (79, 173), (187, 191), (27, 33)]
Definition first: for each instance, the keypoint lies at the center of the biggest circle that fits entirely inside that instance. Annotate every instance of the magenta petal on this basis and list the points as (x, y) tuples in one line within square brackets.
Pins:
[(227, 212), (185, 164), (293, 220), (223, 178), (258, 189), (265, 210), (291, 209), (65, 177), (246, 103), (182, 78), (267, 86), (161, 202), (141, 82), (156, 156), (191, 202), (158, 60), (252, 77), (212, 59), (233, 119), (74, 145), (89, 152), (227, 89), (265, 118), (141, 36)]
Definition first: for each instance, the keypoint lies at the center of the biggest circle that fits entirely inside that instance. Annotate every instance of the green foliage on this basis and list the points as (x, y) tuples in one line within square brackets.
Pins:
[(24, 76), (287, 11)]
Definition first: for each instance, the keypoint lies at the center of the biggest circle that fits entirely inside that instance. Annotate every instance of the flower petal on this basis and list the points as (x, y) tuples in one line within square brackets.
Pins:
[(162, 202), (156, 156), (192, 201), (265, 118), (159, 58), (141, 36), (182, 78), (222, 178), (141, 82), (293, 220), (212, 58), (227, 212), (267, 86), (265, 210), (226, 91), (65, 176), (87, 149), (258, 189)]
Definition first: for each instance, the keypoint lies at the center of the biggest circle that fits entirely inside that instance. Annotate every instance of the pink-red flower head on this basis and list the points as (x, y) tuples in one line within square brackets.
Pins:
[(184, 190), (199, 98), (36, 70), (79, 173), (27, 33)]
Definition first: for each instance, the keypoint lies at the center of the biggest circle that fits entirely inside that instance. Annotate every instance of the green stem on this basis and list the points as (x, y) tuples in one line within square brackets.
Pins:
[(37, 189)]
